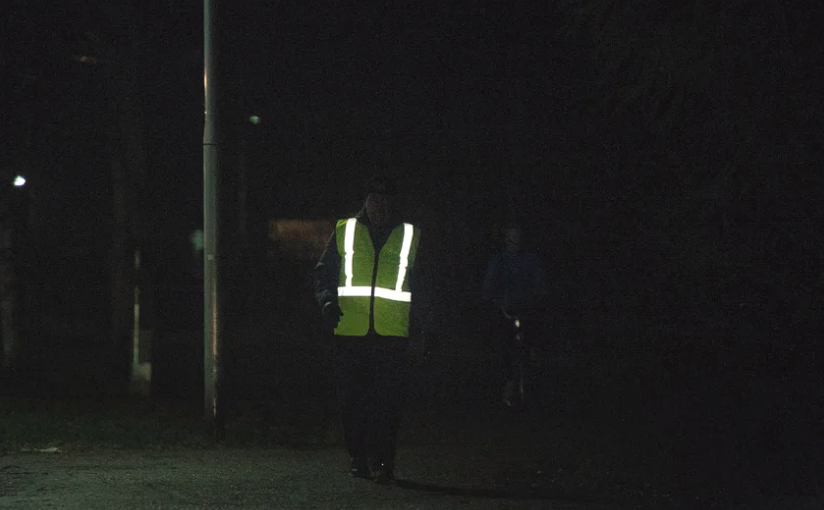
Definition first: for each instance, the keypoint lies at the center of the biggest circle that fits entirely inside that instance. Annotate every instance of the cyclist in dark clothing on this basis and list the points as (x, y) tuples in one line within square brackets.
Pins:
[(515, 284)]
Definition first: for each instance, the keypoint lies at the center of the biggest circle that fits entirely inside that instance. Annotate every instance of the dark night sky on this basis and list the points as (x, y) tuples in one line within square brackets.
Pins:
[(461, 98), (341, 90), (362, 86)]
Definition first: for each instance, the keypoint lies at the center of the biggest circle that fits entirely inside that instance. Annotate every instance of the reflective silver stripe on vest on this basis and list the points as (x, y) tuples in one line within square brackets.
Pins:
[(396, 294), (407, 245), (381, 292), (349, 250)]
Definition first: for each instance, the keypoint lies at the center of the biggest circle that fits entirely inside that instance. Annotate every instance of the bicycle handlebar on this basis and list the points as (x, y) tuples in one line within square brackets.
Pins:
[(503, 311)]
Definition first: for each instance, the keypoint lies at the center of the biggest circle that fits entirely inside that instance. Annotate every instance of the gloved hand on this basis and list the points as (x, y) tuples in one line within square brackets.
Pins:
[(331, 313)]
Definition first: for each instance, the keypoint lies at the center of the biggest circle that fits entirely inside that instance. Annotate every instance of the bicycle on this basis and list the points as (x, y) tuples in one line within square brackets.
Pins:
[(523, 357)]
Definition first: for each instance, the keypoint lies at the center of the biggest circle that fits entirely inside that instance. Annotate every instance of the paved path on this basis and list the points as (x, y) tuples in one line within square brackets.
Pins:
[(455, 452), (249, 479), (458, 449)]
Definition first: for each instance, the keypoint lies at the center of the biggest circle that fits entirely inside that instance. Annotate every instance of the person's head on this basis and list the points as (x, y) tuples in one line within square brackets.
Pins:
[(513, 237), (380, 203)]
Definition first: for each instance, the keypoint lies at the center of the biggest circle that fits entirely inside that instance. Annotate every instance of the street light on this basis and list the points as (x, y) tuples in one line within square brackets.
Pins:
[(243, 232), (19, 181)]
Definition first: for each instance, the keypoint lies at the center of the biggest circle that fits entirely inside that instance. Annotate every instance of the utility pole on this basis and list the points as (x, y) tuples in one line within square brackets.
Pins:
[(10, 215), (213, 320)]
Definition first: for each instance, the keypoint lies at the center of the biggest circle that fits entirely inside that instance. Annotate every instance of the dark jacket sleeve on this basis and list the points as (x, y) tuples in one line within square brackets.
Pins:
[(327, 273), (422, 320), (491, 285)]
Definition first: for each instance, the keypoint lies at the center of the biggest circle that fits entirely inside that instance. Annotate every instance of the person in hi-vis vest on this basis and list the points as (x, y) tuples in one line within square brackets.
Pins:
[(365, 284)]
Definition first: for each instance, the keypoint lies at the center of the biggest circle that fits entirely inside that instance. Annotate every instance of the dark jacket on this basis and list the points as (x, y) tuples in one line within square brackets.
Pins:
[(516, 281)]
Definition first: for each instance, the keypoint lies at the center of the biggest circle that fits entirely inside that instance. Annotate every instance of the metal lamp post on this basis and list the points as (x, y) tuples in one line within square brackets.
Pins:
[(212, 241)]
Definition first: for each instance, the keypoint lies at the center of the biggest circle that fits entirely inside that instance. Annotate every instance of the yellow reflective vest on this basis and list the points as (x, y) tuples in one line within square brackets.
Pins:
[(374, 287)]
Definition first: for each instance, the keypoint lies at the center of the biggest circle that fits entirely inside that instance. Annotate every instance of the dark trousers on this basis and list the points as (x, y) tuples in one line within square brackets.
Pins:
[(371, 378)]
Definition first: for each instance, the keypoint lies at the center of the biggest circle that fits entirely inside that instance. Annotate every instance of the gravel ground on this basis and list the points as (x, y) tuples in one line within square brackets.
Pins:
[(450, 457), (248, 479), (587, 446)]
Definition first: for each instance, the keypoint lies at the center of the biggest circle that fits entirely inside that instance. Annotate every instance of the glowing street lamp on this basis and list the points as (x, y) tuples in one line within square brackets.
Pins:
[(19, 181), (254, 120)]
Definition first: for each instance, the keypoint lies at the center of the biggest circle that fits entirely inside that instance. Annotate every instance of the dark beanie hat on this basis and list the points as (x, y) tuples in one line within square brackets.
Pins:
[(380, 184)]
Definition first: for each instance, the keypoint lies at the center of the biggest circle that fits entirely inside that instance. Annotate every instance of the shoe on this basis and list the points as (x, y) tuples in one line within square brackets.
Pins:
[(359, 468), (384, 473)]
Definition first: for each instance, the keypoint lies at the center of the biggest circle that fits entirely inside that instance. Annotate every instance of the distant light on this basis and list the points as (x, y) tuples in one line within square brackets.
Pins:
[(254, 119), (19, 181), (196, 238), (86, 59)]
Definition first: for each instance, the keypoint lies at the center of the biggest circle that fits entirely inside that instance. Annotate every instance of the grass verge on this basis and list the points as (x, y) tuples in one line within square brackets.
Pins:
[(78, 425)]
